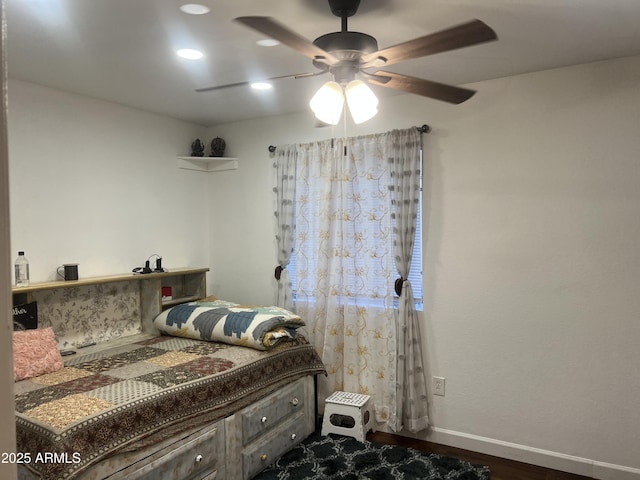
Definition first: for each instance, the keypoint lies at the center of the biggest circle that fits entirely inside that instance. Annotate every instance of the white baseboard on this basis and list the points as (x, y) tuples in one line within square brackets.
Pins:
[(535, 456)]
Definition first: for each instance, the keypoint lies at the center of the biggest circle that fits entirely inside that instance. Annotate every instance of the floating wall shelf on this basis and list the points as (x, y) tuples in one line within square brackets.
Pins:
[(208, 164)]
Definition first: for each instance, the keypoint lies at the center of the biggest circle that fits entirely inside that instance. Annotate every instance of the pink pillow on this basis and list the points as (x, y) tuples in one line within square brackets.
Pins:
[(35, 353)]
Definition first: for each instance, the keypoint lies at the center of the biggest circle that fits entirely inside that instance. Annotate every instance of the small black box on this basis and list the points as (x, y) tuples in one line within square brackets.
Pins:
[(25, 315)]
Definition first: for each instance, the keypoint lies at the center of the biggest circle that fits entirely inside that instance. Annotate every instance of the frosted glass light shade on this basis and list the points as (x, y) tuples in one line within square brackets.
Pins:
[(327, 103), (363, 104)]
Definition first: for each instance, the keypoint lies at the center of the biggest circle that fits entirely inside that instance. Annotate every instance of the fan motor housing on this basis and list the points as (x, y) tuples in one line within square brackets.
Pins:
[(337, 42)]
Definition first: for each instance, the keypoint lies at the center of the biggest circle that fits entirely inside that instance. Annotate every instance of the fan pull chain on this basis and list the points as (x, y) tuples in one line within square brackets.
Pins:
[(344, 124)]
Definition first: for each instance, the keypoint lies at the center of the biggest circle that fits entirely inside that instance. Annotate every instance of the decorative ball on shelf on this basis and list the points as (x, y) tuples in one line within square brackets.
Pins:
[(197, 148), (217, 147)]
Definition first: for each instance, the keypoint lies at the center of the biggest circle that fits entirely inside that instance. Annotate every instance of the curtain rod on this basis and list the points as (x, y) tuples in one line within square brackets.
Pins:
[(423, 129)]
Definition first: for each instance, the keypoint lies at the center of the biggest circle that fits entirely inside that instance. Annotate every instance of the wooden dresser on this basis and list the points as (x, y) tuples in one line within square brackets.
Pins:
[(235, 448)]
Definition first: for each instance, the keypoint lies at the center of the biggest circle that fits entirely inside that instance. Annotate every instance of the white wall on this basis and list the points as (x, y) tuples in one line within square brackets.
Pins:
[(97, 183), (532, 265)]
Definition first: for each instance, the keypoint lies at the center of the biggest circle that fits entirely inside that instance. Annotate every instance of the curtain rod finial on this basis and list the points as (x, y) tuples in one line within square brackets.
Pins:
[(424, 129), (272, 148)]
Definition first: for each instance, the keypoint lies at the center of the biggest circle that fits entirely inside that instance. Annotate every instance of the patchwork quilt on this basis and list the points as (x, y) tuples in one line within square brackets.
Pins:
[(104, 402), (259, 327)]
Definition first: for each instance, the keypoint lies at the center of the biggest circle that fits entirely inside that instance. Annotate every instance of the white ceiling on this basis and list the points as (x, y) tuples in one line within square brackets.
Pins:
[(124, 50)]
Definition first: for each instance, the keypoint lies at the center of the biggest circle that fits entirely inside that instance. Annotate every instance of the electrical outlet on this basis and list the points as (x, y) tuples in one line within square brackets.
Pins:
[(438, 386)]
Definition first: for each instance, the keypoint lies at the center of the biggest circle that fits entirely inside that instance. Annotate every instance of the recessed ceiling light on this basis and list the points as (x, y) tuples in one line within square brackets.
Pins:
[(190, 54), (195, 9), (268, 42), (261, 86)]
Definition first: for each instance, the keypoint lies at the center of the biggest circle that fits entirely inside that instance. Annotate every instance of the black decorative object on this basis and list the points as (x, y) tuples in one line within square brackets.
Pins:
[(25, 316), (197, 148), (217, 147)]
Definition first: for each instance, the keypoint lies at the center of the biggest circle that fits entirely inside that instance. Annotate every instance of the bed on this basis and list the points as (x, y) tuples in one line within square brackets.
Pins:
[(221, 393)]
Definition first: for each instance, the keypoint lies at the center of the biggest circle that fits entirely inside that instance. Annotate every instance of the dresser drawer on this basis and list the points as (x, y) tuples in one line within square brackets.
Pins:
[(272, 411), (198, 456), (274, 444)]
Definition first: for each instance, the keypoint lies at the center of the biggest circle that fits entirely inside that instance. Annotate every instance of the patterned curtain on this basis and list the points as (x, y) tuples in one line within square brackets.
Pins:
[(345, 266), (285, 173), (404, 160)]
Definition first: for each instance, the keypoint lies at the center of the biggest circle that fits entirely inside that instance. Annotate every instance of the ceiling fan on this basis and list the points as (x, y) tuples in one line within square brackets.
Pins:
[(345, 54)]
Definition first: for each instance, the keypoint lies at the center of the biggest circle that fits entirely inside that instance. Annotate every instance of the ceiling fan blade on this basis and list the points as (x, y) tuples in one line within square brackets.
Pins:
[(426, 88), (271, 28), (242, 84), (465, 35)]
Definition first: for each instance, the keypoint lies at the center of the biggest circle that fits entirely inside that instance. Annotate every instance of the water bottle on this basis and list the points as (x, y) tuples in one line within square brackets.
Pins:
[(22, 270)]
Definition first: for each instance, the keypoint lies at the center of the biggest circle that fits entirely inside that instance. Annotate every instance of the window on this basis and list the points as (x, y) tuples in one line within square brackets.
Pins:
[(415, 274)]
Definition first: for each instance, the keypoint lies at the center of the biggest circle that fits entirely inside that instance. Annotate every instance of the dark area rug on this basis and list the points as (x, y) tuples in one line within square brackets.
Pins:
[(335, 456)]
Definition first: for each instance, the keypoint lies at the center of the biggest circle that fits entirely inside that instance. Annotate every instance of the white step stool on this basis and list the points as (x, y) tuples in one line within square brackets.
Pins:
[(348, 414)]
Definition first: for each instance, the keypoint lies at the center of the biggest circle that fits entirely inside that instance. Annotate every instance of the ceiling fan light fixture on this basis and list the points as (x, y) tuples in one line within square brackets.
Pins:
[(327, 103), (362, 102)]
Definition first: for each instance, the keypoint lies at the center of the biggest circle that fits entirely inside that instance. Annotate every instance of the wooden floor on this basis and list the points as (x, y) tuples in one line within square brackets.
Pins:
[(501, 469)]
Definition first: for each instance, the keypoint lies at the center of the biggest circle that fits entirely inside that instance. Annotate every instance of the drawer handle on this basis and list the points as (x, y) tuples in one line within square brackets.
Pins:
[(263, 457), (295, 402), (293, 436), (198, 458), (263, 419)]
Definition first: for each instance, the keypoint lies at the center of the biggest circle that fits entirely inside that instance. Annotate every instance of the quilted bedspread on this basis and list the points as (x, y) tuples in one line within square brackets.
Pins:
[(103, 402)]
